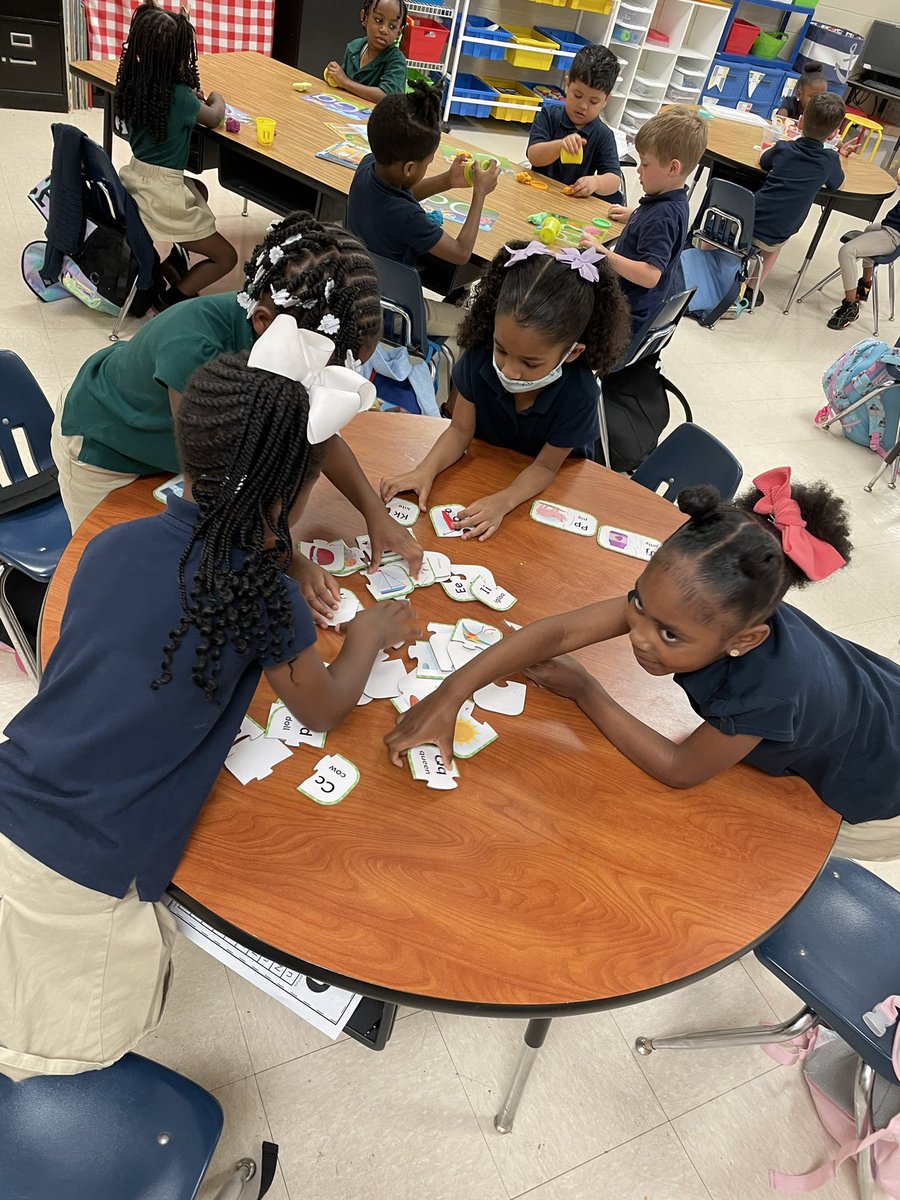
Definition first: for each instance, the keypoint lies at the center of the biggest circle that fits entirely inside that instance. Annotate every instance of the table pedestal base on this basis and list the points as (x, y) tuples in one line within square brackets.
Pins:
[(535, 1035)]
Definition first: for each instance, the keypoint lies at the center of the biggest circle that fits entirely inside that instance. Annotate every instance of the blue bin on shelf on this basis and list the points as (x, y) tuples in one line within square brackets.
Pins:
[(470, 87), (483, 27), (573, 42)]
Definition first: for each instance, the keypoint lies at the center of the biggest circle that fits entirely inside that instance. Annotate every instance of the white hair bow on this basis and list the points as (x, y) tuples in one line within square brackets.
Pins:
[(336, 394)]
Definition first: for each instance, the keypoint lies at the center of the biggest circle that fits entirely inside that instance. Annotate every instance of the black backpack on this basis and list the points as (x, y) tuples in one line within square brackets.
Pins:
[(636, 400)]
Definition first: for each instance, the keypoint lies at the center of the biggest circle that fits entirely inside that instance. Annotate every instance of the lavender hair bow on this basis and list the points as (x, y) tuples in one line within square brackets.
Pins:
[(582, 261)]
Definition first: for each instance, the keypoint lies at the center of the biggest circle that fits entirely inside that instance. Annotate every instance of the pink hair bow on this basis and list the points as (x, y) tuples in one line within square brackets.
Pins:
[(815, 558)]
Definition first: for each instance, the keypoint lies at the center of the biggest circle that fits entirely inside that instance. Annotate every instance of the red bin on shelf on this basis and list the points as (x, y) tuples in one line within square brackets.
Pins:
[(424, 40), (741, 37)]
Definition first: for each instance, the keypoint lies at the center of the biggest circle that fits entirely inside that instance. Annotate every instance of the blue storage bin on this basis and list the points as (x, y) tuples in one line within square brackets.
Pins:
[(733, 86), (470, 87), (484, 27), (835, 50), (573, 42), (766, 95)]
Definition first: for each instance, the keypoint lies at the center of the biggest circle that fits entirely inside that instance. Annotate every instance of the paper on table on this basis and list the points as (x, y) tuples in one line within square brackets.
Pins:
[(348, 607), (384, 679), (507, 698), (404, 512), (425, 763), (332, 780), (254, 758)]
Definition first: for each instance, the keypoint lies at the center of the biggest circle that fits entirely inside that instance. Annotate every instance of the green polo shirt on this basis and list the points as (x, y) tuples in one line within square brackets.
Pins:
[(174, 149), (119, 402), (387, 70)]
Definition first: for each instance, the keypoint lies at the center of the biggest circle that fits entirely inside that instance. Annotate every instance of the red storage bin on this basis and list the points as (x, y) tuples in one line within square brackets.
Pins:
[(424, 41), (741, 37)]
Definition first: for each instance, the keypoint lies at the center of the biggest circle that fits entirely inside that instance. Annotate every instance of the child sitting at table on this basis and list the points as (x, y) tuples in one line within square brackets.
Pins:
[(115, 422), (169, 624), (645, 257), (771, 686), (882, 237), (374, 66), (796, 171), (570, 142), (158, 99), (812, 82), (541, 324)]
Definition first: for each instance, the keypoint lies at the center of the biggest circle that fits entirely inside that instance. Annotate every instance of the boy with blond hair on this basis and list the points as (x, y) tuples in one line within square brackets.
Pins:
[(646, 254)]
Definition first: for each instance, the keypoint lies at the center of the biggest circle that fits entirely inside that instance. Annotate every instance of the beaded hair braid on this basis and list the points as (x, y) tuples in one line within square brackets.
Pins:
[(161, 51), (323, 276), (241, 438)]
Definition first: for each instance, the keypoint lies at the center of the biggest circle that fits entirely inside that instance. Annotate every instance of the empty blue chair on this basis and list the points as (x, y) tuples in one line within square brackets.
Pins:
[(34, 528), (688, 457), (837, 951)]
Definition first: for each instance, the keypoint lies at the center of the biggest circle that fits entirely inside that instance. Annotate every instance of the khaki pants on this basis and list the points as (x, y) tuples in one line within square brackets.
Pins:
[(442, 320), (870, 841), (81, 486), (872, 243), (83, 976)]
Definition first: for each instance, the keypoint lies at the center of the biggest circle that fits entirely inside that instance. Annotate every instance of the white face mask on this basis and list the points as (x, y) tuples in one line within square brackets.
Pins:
[(532, 385)]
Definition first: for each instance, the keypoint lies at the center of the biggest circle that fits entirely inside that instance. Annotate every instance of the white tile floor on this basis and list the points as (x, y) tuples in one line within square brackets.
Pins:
[(414, 1123)]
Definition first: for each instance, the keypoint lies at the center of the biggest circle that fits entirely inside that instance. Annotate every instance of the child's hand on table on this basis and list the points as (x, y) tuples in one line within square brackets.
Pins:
[(619, 212), (564, 675), (430, 722), (393, 620), (583, 186), (482, 518), (320, 590), (846, 149), (387, 535), (458, 171), (417, 481)]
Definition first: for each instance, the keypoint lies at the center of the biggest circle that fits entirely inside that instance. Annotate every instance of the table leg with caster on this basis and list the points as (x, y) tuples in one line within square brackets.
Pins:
[(535, 1036)]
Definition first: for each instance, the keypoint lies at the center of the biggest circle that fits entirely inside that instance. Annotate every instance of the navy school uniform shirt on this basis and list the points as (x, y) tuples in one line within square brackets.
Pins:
[(826, 709), (796, 172), (565, 414), (654, 234), (600, 153), (389, 221), (103, 777)]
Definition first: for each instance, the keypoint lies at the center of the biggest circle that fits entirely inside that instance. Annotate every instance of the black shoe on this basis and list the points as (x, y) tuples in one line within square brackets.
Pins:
[(844, 315), (863, 288), (178, 258), (166, 298), (760, 298)]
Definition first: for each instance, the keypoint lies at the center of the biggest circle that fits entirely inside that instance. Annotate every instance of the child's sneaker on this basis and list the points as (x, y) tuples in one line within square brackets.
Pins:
[(760, 298), (844, 315), (863, 287)]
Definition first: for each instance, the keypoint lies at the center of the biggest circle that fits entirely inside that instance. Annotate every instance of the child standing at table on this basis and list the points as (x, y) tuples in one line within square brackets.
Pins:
[(542, 323), (158, 100), (577, 130), (771, 686), (169, 624), (374, 66)]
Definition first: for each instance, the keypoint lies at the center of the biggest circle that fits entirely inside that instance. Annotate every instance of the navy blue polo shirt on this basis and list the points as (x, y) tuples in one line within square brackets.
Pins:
[(891, 219), (826, 709), (564, 414), (654, 234), (102, 777), (600, 153), (389, 221), (796, 173)]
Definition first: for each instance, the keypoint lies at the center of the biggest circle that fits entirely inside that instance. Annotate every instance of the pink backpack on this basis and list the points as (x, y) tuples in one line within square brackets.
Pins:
[(829, 1067)]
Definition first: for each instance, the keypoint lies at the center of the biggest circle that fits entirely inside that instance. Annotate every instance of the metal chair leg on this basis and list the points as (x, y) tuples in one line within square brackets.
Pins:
[(604, 431), (891, 288), (759, 1035), (123, 312), (863, 1087), (244, 210), (243, 1172), (818, 287), (892, 459), (875, 298), (864, 400), (17, 634), (535, 1034)]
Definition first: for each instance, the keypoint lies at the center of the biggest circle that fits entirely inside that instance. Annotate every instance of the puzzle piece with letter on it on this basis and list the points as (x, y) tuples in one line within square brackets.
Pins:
[(632, 544), (389, 583), (457, 588), (470, 572), (284, 726), (426, 763), (475, 634), (172, 487), (333, 779), (404, 512), (439, 563), (253, 756), (505, 698), (443, 517), (327, 555), (388, 558), (348, 607), (470, 735), (560, 516), (497, 598)]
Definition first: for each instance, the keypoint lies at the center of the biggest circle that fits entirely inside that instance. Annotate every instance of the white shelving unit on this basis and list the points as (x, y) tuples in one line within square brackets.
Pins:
[(448, 15)]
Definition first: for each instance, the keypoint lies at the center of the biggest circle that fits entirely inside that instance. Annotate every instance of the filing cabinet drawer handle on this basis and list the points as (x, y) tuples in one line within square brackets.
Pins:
[(23, 62), (22, 40)]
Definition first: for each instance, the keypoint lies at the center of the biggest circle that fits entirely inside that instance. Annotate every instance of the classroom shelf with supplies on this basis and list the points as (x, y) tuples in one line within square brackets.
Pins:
[(507, 67)]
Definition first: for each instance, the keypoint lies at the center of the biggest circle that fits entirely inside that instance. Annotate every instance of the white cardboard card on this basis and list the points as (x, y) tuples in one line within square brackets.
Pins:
[(404, 512), (333, 779), (506, 698)]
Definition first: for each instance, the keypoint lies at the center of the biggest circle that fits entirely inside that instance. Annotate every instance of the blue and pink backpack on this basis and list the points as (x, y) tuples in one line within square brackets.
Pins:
[(863, 389)]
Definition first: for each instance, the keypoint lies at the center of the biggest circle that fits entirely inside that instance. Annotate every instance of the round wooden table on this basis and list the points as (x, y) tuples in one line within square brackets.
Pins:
[(558, 877), (733, 152)]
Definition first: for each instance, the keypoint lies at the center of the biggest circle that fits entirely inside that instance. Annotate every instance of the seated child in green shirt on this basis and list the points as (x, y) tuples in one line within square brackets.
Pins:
[(373, 65)]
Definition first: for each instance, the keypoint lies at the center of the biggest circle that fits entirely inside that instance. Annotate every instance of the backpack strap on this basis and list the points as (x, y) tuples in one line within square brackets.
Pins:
[(880, 1019), (796, 1050), (795, 1184)]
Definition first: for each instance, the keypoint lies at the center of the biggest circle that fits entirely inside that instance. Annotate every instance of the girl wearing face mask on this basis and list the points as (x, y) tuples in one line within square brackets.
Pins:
[(543, 324)]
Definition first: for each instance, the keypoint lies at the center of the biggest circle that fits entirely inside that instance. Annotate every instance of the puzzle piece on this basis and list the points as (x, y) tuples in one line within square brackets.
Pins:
[(384, 679), (475, 634), (505, 698), (328, 555), (457, 588), (442, 518), (253, 756), (560, 516), (425, 763), (471, 736), (404, 512), (333, 779), (390, 582), (284, 726), (488, 593), (348, 607), (470, 572)]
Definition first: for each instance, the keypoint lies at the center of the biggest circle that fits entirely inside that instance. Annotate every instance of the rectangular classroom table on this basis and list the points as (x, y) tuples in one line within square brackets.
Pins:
[(287, 175)]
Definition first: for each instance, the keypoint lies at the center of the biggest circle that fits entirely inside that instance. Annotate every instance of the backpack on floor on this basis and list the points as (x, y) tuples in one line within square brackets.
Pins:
[(718, 280), (861, 370)]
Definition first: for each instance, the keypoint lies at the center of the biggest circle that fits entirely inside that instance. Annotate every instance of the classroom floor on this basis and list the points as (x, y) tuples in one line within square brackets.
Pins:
[(596, 1123)]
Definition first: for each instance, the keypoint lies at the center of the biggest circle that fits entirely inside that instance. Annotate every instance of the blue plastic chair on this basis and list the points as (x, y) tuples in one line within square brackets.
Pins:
[(836, 951), (688, 457), (882, 260), (403, 304), (34, 528)]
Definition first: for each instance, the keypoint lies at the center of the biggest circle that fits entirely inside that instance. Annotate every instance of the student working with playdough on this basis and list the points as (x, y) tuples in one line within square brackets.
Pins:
[(541, 324)]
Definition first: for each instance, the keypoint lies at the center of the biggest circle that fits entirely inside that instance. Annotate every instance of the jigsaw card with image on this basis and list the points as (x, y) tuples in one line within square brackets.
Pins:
[(471, 735), (404, 512), (333, 779), (457, 588), (348, 607), (390, 582), (471, 572), (388, 558), (426, 763), (560, 516), (442, 518), (412, 690), (427, 665), (328, 555), (172, 487), (439, 563), (505, 698), (633, 544), (497, 598), (354, 560), (425, 577), (440, 642), (284, 726), (475, 634), (461, 655)]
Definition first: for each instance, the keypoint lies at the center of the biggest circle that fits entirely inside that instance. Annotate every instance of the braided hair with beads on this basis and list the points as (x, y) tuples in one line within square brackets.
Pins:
[(161, 51), (323, 276), (241, 435)]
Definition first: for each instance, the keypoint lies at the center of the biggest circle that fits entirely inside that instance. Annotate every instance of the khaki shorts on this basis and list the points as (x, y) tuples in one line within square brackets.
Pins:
[(83, 976), (171, 207), (869, 841), (81, 485), (769, 247)]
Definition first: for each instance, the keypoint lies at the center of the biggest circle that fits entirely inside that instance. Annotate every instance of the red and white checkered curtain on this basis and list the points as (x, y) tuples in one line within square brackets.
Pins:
[(221, 25)]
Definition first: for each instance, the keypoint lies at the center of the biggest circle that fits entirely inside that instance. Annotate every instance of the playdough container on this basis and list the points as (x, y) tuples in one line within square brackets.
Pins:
[(265, 130), (566, 157), (550, 230)]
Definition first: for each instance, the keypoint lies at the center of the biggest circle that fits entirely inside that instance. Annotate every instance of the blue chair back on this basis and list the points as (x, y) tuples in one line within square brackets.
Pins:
[(726, 217), (133, 1131), (837, 951), (688, 457), (402, 286), (23, 407)]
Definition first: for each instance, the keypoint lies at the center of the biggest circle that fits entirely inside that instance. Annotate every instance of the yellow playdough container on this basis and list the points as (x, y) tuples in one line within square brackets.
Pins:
[(265, 130), (566, 156)]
